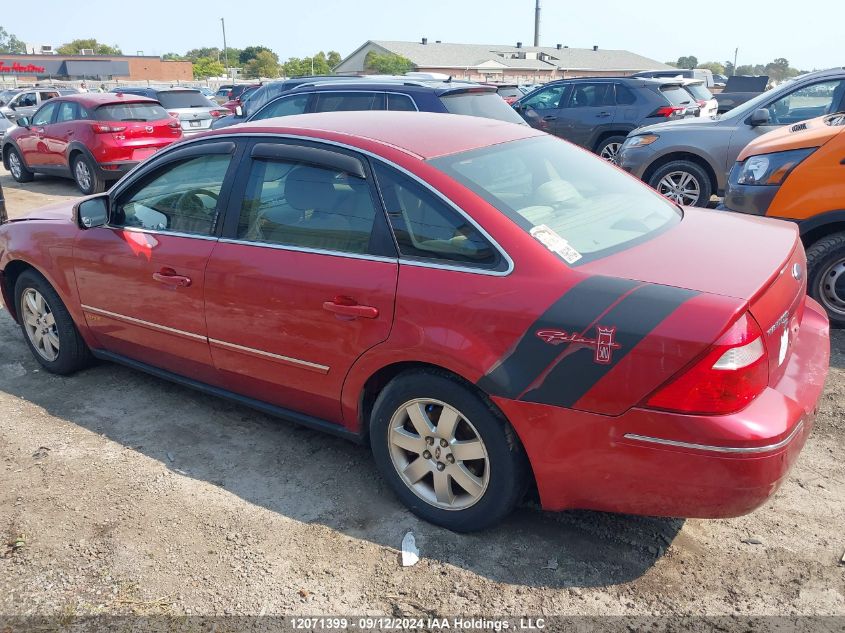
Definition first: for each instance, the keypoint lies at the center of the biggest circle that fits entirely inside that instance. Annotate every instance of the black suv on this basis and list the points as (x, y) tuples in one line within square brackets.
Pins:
[(401, 94), (598, 113)]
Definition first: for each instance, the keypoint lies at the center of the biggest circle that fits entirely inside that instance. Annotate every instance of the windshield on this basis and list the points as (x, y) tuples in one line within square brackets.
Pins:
[(577, 205), (484, 104), (131, 112), (174, 99)]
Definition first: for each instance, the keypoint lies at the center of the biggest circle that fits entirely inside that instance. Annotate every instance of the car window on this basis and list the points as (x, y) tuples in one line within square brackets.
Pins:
[(699, 91), (27, 99), (624, 95), (510, 92), (67, 112), (426, 227), (293, 104), (578, 206), (676, 95), (808, 102), (344, 101), (400, 102), (546, 99), (183, 99), (586, 95), (131, 112), (300, 205), (181, 198), (484, 104), (44, 114), (52, 94)]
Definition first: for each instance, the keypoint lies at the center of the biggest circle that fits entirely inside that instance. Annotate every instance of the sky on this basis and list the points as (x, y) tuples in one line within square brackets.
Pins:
[(712, 30)]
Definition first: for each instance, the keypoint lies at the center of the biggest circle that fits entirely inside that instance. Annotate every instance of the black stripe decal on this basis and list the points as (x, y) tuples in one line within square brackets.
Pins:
[(634, 318), (573, 312)]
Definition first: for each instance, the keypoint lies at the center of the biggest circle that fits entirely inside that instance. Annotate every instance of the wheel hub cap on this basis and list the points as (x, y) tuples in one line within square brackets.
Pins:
[(82, 175), (438, 454), (610, 152), (681, 187), (832, 287), (40, 324)]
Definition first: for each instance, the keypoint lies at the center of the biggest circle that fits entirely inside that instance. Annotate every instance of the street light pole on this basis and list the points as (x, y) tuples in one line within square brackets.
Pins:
[(225, 49)]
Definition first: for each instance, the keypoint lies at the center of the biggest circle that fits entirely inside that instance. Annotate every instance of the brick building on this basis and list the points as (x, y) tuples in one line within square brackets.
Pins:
[(29, 68), (500, 63)]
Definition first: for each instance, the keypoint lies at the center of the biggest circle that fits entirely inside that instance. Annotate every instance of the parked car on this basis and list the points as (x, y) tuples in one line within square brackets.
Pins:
[(795, 173), (93, 138), (255, 100), (6, 95), (222, 94), (599, 113), (487, 306), (689, 160), (407, 94), (237, 99), (5, 126), (194, 112), (4, 216), (739, 89), (509, 92), (206, 92), (704, 74), (26, 102), (707, 104)]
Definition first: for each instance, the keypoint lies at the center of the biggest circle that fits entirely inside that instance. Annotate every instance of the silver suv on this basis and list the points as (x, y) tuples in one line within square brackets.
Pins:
[(27, 102), (689, 160)]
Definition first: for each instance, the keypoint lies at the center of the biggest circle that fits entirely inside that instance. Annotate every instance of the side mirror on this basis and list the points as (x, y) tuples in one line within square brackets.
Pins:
[(760, 117), (92, 212), (23, 121), (239, 111)]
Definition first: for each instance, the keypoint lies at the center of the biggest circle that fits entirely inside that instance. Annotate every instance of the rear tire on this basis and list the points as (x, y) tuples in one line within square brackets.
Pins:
[(448, 456), (683, 182), (84, 171), (826, 276), (47, 326), (18, 168), (608, 149)]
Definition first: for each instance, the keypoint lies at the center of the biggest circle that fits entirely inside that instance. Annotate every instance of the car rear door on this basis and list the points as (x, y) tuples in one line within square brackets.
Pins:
[(303, 280), (141, 278)]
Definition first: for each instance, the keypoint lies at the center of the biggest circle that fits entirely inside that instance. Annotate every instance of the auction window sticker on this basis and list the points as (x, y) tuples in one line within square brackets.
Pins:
[(555, 243)]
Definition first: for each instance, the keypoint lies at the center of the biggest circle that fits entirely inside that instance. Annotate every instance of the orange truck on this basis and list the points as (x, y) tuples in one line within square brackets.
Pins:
[(797, 173)]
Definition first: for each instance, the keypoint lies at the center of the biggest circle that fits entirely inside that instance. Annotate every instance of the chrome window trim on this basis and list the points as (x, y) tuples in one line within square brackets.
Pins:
[(323, 369), (735, 450), (152, 326), (137, 229), (310, 91)]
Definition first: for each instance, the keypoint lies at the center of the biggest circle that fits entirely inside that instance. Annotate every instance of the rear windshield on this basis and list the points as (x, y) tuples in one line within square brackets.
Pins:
[(699, 92), (484, 104), (576, 205), (676, 95), (131, 112), (183, 99)]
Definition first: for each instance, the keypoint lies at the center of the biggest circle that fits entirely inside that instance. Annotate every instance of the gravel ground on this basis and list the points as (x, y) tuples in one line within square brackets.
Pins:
[(124, 494)]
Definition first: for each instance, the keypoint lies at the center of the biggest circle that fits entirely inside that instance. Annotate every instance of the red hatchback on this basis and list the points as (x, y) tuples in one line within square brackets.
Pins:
[(92, 138), (489, 307)]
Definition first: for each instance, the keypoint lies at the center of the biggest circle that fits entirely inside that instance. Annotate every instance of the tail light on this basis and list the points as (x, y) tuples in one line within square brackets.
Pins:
[(701, 103), (217, 113), (730, 375), (102, 128), (173, 124), (668, 111)]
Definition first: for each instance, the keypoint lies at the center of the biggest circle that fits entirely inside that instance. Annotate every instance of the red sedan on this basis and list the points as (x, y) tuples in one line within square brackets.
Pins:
[(489, 307), (92, 138)]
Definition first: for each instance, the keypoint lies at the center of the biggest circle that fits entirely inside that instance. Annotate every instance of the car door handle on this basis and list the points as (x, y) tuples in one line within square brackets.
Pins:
[(551, 117), (168, 276), (345, 306), (603, 114)]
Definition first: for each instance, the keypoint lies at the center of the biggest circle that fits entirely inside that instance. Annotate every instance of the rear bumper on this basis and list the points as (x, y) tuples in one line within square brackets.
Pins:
[(665, 464), (116, 169)]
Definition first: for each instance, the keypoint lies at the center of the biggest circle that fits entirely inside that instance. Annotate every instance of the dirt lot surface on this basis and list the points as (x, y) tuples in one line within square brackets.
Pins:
[(125, 494)]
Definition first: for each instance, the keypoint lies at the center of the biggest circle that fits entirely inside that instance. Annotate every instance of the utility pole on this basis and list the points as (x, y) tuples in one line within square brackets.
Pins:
[(736, 54), (225, 49), (537, 24)]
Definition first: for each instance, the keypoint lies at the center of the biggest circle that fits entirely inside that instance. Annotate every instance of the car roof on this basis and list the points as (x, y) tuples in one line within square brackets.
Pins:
[(437, 86), (96, 99), (424, 134)]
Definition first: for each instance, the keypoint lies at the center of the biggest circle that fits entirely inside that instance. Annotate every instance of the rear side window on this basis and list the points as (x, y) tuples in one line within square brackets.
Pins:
[(400, 102), (183, 99), (427, 228), (295, 204), (131, 112), (624, 95), (484, 104), (344, 101), (283, 107), (49, 95), (676, 95), (591, 95)]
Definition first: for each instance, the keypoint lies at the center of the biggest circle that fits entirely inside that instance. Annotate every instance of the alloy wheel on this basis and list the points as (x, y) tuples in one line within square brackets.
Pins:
[(438, 454), (610, 152), (681, 187), (83, 175), (15, 165), (832, 287), (40, 324)]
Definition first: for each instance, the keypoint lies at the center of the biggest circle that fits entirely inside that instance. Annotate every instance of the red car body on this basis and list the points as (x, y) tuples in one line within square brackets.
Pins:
[(232, 104), (113, 147), (582, 360)]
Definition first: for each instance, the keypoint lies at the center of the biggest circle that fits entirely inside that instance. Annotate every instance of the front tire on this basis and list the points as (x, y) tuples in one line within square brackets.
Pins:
[(17, 167), (88, 181), (683, 182), (609, 148), (47, 326), (448, 456), (826, 276)]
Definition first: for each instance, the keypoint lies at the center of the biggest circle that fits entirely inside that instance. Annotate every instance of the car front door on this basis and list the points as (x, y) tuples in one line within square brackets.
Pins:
[(34, 148), (541, 108), (141, 278), (59, 133), (303, 280), (802, 103), (590, 106)]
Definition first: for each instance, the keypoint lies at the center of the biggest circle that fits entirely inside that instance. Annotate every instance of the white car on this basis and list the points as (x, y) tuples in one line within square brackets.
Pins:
[(707, 103)]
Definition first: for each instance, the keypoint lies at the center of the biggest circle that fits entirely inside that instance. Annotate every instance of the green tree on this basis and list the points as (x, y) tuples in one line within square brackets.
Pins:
[(9, 43), (387, 64), (714, 67), (265, 64), (205, 67), (251, 52), (779, 70), (76, 46), (688, 61), (174, 57), (333, 59)]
